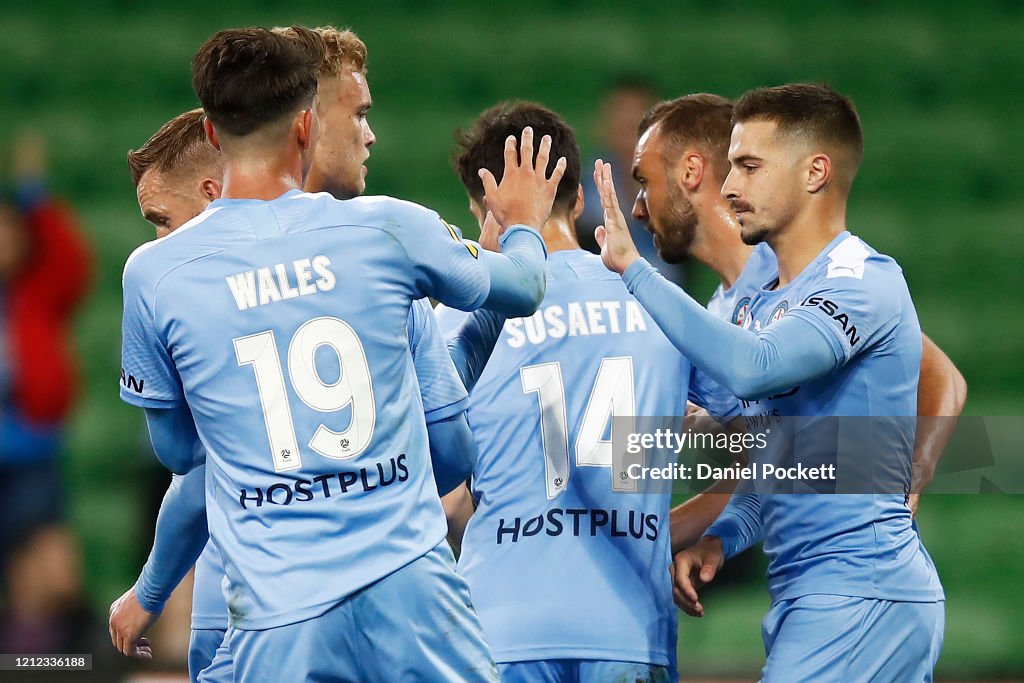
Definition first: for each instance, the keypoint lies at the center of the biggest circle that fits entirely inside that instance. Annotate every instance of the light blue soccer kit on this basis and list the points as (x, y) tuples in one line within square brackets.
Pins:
[(178, 537), (568, 572), (855, 595), (318, 477)]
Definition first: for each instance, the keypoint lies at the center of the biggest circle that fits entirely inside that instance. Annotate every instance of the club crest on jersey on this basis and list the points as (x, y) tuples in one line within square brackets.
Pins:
[(779, 311), (739, 314)]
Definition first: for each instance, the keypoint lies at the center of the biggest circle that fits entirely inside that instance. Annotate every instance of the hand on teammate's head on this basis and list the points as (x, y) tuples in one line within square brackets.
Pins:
[(525, 195)]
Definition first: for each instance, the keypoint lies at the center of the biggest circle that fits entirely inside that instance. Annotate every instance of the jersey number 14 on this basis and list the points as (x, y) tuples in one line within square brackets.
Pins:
[(612, 396)]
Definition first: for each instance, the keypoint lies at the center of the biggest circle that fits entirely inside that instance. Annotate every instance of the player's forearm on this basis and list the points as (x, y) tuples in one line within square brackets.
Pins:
[(181, 535), (452, 452), (739, 525), (749, 365), (517, 274), (175, 441), (471, 345), (941, 394), (689, 521)]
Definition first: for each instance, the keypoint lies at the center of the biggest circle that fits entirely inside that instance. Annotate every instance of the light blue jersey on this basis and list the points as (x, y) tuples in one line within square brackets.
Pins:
[(283, 324), (209, 608), (852, 545), (733, 304), (442, 394), (560, 565)]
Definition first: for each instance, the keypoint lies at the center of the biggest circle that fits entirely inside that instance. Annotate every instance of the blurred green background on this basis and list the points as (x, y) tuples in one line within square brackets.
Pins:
[(938, 84)]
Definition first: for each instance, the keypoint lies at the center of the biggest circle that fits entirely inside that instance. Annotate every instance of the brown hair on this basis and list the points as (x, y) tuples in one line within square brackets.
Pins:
[(701, 120), (483, 146), (247, 78), (180, 144), (342, 49), (809, 110)]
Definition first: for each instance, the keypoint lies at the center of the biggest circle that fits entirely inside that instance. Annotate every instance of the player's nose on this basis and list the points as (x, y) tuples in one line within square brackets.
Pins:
[(729, 190), (368, 137), (640, 207)]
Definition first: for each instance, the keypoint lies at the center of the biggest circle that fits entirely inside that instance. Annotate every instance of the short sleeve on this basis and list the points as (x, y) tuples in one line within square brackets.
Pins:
[(853, 311), (149, 378), (441, 388)]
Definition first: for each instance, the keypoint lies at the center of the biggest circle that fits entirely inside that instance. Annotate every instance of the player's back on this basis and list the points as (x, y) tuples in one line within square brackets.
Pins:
[(560, 565), (286, 322)]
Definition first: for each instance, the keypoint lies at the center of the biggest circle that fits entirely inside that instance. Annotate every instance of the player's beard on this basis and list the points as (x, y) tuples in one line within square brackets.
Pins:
[(754, 235), (751, 232), (675, 229)]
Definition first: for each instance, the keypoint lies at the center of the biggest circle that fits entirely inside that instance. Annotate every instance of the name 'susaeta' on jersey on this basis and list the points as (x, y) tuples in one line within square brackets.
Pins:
[(576, 318)]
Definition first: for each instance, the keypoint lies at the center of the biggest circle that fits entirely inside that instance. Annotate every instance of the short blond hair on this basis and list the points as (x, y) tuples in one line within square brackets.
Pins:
[(179, 145), (342, 50)]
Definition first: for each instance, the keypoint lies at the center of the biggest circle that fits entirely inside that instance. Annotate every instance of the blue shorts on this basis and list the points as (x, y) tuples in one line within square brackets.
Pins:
[(838, 638), (415, 624), (581, 671), (202, 646), (221, 669)]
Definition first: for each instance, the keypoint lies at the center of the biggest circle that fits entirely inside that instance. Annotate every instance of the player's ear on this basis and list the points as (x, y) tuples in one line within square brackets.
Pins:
[(210, 188), (690, 170), (578, 209), (819, 173), (211, 134), (306, 128)]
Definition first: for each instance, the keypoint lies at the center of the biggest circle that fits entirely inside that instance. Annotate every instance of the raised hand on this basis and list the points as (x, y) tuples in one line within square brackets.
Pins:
[(694, 568), (128, 621), (525, 193), (618, 251)]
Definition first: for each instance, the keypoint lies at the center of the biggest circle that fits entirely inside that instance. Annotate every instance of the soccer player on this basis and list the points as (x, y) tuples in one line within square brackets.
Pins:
[(854, 594), (263, 261), (680, 163), (566, 572), (177, 173)]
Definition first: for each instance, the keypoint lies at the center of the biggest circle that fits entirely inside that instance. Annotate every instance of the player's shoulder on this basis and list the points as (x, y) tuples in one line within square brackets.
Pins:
[(852, 262), (152, 260), (384, 211), (578, 264)]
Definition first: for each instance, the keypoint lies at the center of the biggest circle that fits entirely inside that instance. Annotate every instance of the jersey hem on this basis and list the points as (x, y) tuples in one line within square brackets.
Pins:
[(656, 658), (279, 619), (148, 402), (444, 412), (209, 623), (895, 596)]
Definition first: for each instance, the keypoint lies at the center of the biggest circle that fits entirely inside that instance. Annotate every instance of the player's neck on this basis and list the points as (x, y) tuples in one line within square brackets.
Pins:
[(261, 178), (802, 240), (718, 244), (559, 234)]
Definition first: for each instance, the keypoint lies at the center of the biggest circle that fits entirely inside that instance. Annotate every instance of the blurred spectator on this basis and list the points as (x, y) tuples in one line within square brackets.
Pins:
[(44, 273), (625, 103)]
